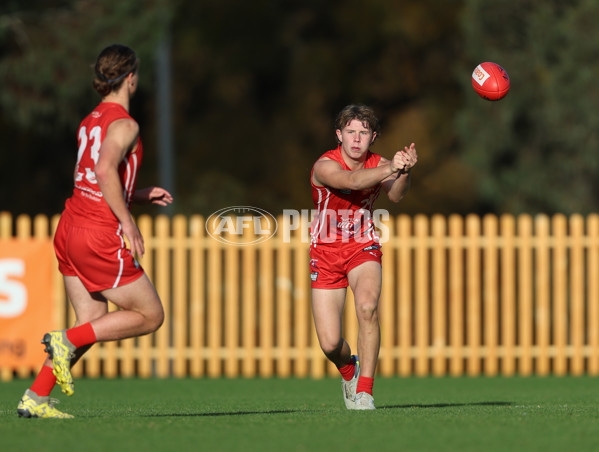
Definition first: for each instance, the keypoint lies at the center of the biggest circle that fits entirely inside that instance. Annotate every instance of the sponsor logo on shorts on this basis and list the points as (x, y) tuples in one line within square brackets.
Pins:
[(314, 276), (372, 247)]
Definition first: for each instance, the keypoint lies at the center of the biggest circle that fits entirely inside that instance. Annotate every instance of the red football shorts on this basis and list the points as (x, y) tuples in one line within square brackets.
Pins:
[(97, 256), (329, 266)]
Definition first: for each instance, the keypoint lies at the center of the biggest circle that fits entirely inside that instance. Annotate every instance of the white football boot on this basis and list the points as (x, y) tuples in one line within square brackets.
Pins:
[(349, 387), (364, 401)]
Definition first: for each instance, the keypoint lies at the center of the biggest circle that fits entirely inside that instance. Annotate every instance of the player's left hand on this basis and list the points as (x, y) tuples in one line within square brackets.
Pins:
[(409, 157), (155, 195)]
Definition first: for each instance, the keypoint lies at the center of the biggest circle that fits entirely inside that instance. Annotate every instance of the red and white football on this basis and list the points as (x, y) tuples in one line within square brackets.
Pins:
[(490, 81)]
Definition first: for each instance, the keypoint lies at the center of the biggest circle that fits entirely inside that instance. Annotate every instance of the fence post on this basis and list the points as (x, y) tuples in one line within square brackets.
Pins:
[(439, 295), (301, 302), (593, 293), (197, 290), (163, 287), (180, 293), (560, 290), (577, 332), (525, 294), (473, 295), (231, 321), (283, 290), (456, 294), (249, 304), (404, 282), (387, 305), (508, 294), (543, 294), (214, 322), (266, 318), (145, 348), (421, 294), (490, 295)]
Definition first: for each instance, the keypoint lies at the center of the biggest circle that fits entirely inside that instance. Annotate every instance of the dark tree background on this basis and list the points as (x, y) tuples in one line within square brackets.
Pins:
[(256, 86), (535, 151)]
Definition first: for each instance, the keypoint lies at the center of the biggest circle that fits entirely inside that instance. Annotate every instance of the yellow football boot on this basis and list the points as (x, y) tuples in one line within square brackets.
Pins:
[(32, 405), (60, 350)]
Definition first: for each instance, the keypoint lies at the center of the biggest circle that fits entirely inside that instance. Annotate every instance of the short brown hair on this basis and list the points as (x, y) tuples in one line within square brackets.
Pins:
[(362, 113), (114, 63)]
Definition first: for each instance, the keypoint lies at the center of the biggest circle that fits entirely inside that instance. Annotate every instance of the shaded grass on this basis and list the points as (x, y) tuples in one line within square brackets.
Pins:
[(490, 414)]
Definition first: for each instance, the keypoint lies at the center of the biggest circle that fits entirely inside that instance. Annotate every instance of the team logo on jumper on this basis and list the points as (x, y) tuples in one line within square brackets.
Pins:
[(347, 226), (241, 225)]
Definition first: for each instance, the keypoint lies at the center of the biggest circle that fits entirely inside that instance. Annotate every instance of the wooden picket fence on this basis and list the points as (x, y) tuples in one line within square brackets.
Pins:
[(461, 296)]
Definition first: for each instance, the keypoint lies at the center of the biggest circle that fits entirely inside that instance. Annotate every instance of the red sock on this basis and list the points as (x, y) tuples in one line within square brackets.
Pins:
[(81, 335), (347, 371), (44, 382), (365, 384)]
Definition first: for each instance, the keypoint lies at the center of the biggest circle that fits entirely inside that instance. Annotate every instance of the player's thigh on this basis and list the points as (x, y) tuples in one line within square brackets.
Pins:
[(365, 282), (327, 309), (139, 296), (87, 306)]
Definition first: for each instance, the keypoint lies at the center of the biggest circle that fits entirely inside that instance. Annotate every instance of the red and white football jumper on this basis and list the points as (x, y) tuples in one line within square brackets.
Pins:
[(342, 233), (89, 241)]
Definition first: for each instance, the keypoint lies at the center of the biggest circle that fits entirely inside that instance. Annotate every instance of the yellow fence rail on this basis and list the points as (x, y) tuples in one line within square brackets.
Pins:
[(461, 296)]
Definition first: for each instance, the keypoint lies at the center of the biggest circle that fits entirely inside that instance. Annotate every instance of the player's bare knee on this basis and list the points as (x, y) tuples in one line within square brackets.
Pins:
[(158, 319), (154, 320), (367, 311), (331, 347)]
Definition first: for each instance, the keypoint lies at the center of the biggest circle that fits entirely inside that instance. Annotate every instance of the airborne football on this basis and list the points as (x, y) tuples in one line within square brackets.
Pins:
[(490, 81)]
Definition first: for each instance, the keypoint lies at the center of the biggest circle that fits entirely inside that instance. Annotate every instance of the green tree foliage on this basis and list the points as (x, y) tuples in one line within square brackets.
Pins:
[(256, 87), (47, 51), (535, 150), (264, 80)]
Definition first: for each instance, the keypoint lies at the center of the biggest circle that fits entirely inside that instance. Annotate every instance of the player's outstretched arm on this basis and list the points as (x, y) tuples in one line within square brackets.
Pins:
[(330, 173)]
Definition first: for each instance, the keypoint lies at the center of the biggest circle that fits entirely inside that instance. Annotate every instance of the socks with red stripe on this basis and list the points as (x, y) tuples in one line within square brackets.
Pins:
[(365, 384), (347, 371), (81, 335), (44, 382)]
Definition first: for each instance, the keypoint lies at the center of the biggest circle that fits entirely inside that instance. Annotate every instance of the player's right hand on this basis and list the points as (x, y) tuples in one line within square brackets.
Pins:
[(136, 241), (398, 163)]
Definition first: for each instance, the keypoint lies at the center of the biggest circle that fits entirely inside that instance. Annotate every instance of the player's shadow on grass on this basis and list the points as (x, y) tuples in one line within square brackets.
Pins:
[(224, 413), (443, 405), (383, 407)]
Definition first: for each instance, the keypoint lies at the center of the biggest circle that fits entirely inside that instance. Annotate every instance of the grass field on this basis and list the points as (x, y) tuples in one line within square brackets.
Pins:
[(421, 414)]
